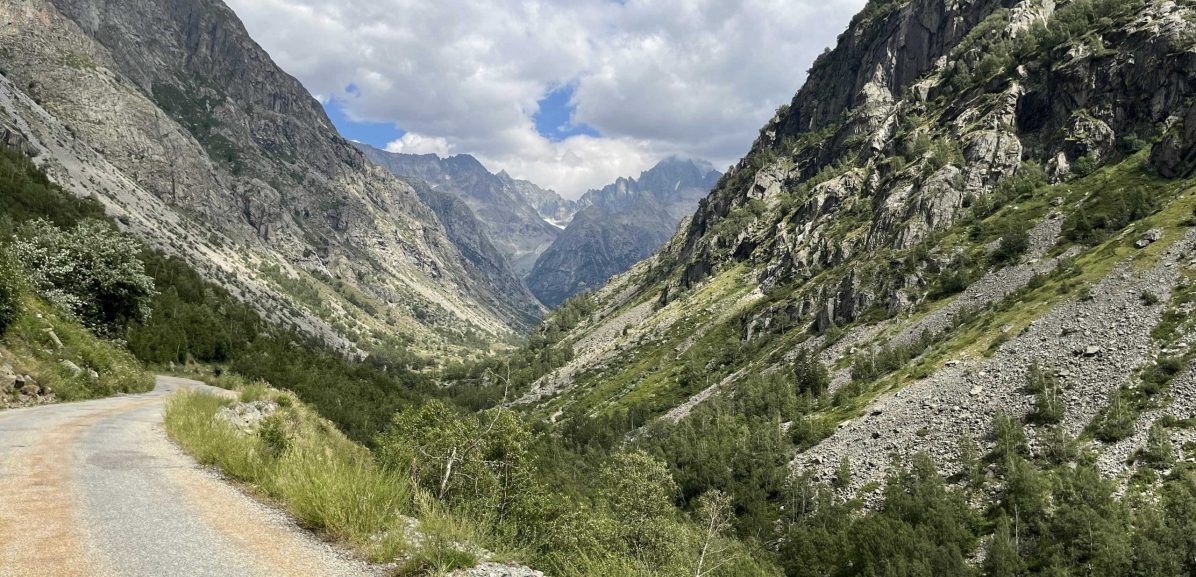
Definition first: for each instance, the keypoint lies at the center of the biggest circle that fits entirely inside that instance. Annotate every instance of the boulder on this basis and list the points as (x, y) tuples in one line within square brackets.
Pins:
[(53, 336), (8, 378), (1152, 236), (75, 370), (246, 416)]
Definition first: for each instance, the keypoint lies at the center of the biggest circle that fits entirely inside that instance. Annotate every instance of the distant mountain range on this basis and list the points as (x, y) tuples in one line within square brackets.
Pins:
[(618, 226), (509, 209), (561, 247), (197, 142)]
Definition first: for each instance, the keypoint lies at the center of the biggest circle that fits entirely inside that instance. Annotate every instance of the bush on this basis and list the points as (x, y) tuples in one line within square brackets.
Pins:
[(1048, 408), (477, 460), (12, 286), (1116, 421), (1014, 242), (1159, 452), (91, 271), (810, 375)]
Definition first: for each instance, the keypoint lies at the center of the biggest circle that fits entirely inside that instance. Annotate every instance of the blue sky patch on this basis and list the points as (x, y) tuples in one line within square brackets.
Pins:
[(377, 134), (554, 120)]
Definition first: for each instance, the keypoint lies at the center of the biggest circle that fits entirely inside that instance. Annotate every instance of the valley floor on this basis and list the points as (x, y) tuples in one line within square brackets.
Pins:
[(96, 489)]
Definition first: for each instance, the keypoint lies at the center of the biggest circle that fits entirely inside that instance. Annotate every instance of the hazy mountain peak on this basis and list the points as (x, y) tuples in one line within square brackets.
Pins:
[(619, 225)]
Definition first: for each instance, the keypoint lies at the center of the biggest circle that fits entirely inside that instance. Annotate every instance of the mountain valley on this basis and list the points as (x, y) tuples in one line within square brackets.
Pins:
[(938, 320)]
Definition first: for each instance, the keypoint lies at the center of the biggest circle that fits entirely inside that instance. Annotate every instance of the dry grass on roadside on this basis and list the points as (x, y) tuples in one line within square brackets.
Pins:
[(329, 483)]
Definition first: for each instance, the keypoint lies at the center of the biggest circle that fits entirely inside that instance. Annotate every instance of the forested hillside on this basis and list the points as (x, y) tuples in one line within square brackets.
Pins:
[(180, 318)]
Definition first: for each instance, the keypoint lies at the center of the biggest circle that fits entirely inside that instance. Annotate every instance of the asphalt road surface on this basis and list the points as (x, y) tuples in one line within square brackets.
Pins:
[(95, 489)]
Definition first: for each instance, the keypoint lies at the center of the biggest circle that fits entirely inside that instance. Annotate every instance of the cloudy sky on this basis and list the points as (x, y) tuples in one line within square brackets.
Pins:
[(567, 93)]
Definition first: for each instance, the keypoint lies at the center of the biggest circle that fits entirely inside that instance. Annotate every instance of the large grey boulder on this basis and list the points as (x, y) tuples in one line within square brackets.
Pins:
[(246, 416)]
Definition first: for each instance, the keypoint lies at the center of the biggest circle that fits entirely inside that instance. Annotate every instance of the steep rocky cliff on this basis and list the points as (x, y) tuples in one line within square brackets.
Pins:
[(963, 197), (619, 225), (501, 203), (182, 126)]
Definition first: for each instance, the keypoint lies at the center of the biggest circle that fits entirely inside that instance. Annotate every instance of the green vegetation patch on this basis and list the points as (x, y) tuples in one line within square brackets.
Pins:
[(42, 338)]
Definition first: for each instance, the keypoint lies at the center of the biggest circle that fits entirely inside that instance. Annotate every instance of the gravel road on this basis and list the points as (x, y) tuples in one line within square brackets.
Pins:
[(96, 489)]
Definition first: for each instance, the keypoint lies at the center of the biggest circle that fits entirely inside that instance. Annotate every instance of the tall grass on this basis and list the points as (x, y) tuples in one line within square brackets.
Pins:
[(329, 483)]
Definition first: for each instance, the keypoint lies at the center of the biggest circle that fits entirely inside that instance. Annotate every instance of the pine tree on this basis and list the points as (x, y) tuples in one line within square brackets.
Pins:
[(1003, 559)]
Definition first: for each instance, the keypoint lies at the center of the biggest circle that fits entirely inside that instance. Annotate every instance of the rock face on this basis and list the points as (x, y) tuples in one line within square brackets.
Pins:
[(618, 226), (503, 205), (473, 242), (551, 206), (858, 130), (170, 114)]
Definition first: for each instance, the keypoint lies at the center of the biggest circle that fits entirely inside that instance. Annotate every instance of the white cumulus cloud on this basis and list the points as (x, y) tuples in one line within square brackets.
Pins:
[(412, 143), (653, 77)]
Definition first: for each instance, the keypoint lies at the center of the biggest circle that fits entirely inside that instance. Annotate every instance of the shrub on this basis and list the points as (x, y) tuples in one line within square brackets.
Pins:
[(1009, 438), (1116, 421), (810, 374), (476, 459), (1014, 242), (1159, 451), (91, 271), (12, 286), (842, 479), (1156, 377), (1048, 408)]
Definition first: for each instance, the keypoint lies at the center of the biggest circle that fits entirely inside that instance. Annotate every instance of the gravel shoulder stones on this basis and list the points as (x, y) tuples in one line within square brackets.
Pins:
[(496, 570)]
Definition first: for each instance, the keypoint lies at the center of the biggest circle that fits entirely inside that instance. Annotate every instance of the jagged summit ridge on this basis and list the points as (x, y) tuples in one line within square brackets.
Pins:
[(506, 207), (619, 225)]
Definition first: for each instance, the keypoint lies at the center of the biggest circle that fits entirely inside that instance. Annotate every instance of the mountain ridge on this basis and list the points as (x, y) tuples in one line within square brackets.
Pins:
[(220, 142), (618, 225), (516, 227)]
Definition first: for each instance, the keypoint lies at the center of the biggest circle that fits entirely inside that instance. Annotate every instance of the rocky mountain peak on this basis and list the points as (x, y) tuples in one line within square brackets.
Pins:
[(509, 210), (670, 181), (619, 225)]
